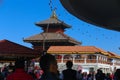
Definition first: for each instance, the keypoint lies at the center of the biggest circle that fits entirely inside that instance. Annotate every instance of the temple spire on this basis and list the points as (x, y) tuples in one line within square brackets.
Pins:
[(54, 14)]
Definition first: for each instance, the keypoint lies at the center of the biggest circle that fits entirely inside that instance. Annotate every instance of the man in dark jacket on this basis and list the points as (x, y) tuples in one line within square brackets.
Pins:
[(117, 74), (100, 75), (69, 73)]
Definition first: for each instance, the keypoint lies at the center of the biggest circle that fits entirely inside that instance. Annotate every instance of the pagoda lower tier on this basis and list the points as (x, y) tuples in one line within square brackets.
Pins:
[(43, 41)]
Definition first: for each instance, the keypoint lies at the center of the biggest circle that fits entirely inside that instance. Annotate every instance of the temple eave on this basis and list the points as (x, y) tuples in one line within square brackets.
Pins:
[(75, 42), (52, 24)]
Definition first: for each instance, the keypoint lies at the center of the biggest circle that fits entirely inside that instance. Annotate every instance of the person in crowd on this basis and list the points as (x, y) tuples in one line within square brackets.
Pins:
[(112, 76), (38, 72), (79, 75), (1, 75), (5, 71), (31, 71), (84, 76), (19, 73), (69, 73), (90, 75), (117, 75), (107, 77), (49, 66), (11, 67), (99, 75)]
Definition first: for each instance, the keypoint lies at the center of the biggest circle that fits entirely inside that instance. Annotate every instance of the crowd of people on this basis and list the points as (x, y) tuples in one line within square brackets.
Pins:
[(48, 70), (19, 68), (70, 74)]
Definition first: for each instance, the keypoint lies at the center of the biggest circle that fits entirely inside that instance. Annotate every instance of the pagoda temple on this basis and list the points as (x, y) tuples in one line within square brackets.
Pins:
[(52, 35)]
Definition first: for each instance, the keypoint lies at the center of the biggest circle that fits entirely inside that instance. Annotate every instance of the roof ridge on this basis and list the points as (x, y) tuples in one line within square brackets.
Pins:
[(112, 53), (96, 47), (5, 40)]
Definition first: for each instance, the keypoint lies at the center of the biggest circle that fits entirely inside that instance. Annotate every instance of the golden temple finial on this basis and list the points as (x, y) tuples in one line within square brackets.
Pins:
[(54, 14)]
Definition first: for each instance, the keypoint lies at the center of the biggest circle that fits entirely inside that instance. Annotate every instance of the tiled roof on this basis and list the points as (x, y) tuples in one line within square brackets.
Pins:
[(103, 51), (52, 21), (74, 49), (113, 55), (13, 49), (50, 37)]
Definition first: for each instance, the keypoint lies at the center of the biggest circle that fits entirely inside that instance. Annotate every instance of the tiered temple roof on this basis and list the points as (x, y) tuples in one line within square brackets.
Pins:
[(53, 21), (51, 37)]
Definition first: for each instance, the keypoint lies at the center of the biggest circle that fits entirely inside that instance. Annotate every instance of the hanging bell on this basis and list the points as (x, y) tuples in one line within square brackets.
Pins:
[(102, 13)]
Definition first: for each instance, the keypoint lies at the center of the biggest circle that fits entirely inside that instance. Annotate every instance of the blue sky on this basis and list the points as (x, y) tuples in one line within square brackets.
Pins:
[(17, 18)]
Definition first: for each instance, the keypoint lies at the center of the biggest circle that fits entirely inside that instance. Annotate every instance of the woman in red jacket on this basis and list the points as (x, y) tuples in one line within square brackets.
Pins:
[(19, 73)]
